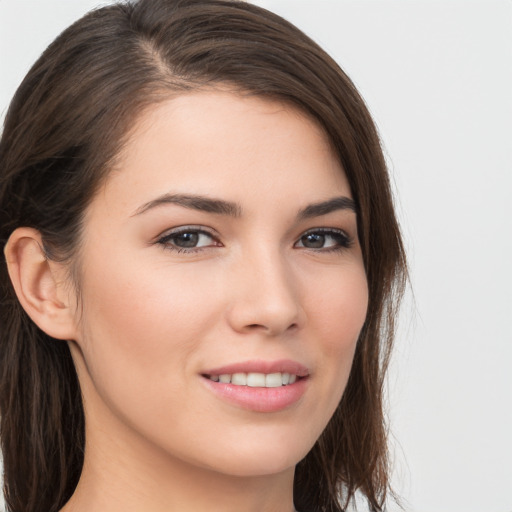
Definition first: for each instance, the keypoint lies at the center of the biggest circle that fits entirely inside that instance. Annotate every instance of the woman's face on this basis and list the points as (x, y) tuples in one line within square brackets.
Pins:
[(219, 260)]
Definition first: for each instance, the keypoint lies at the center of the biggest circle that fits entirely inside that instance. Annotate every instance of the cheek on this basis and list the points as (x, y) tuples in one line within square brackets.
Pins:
[(338, 316), (141, 322), (142, 330), (340, 310), (130, 299)]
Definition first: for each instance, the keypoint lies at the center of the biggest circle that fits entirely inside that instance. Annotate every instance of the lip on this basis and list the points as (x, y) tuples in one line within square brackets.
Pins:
[(261, 366), (262, 400)]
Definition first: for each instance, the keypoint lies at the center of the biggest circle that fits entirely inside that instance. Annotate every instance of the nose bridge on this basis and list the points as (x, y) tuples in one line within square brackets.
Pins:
[(265, 295)]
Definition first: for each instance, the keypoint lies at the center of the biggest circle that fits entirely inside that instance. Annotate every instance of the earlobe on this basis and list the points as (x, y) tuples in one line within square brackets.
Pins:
[(39, 284)]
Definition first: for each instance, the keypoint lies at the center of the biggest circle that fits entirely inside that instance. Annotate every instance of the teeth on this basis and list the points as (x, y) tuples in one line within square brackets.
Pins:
[(239, 379), (273, 380), (256, 380)]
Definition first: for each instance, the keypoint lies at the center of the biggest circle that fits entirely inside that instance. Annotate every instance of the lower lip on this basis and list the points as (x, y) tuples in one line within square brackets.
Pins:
[(259, 399)]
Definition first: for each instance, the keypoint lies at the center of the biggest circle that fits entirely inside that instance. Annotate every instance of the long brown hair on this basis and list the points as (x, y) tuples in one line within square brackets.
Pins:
[(65, 125)]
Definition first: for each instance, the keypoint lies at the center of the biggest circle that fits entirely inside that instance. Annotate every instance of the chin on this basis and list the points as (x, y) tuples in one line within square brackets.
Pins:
[(257, 466), (262, 457)]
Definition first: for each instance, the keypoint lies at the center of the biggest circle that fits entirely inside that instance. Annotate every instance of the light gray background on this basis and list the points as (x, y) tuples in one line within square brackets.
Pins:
[(437, 76)]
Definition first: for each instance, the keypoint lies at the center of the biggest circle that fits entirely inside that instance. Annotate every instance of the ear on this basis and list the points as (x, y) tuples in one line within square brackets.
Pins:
[(40, 284)]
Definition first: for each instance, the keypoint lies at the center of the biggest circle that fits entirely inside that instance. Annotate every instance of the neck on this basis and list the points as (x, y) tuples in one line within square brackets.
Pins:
[(123, 473)]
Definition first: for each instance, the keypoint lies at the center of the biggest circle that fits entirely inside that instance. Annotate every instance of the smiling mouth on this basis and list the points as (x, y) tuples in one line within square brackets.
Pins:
[(255, 380)]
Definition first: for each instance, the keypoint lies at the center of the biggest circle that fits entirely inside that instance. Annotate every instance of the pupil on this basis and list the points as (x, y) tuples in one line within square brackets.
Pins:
[(187, 239), (314, 240)]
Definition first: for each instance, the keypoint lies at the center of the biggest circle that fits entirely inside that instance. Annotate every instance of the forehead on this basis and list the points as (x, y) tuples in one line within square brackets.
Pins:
[(213, 142)]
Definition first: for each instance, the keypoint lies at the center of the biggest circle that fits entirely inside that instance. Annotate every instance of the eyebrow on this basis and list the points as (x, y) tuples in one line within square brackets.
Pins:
[(222, 207), (325, 207), (201, 203)]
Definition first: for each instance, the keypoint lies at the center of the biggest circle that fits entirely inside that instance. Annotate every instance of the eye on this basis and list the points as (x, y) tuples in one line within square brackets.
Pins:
[(187, 239), (325, 239)]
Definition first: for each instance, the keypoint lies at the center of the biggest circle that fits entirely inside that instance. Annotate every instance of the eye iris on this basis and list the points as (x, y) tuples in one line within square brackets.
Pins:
[(313, 240), (186, 239)]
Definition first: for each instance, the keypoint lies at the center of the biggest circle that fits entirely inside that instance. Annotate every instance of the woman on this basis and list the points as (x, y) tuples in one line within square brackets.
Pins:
[(202, 266)]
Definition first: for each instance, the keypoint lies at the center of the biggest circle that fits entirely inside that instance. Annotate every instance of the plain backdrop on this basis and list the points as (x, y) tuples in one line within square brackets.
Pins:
[(437, 76)]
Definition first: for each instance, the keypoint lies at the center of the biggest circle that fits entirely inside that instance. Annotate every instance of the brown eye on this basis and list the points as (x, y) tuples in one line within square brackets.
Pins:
[(313, 240), (327, 239), (187, 239)]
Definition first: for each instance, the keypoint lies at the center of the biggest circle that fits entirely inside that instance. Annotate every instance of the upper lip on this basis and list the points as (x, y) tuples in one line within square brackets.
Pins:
[(261, 366)]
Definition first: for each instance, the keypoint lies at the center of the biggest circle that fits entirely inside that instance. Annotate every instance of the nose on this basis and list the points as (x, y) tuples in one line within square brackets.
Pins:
[(264, 297)]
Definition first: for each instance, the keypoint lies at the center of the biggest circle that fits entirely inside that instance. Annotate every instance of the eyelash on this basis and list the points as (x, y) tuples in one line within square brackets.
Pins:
[(343, 240), (167, 238)]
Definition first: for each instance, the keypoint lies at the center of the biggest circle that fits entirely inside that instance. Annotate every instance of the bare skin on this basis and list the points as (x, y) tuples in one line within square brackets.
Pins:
[(225, 236)]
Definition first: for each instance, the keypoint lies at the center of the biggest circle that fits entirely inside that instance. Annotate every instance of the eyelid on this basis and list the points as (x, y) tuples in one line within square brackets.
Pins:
[(187, 227), (347, 243), (165, 237)]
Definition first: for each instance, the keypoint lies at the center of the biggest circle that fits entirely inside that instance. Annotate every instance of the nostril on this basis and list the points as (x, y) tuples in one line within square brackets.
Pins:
[(253, 327)]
